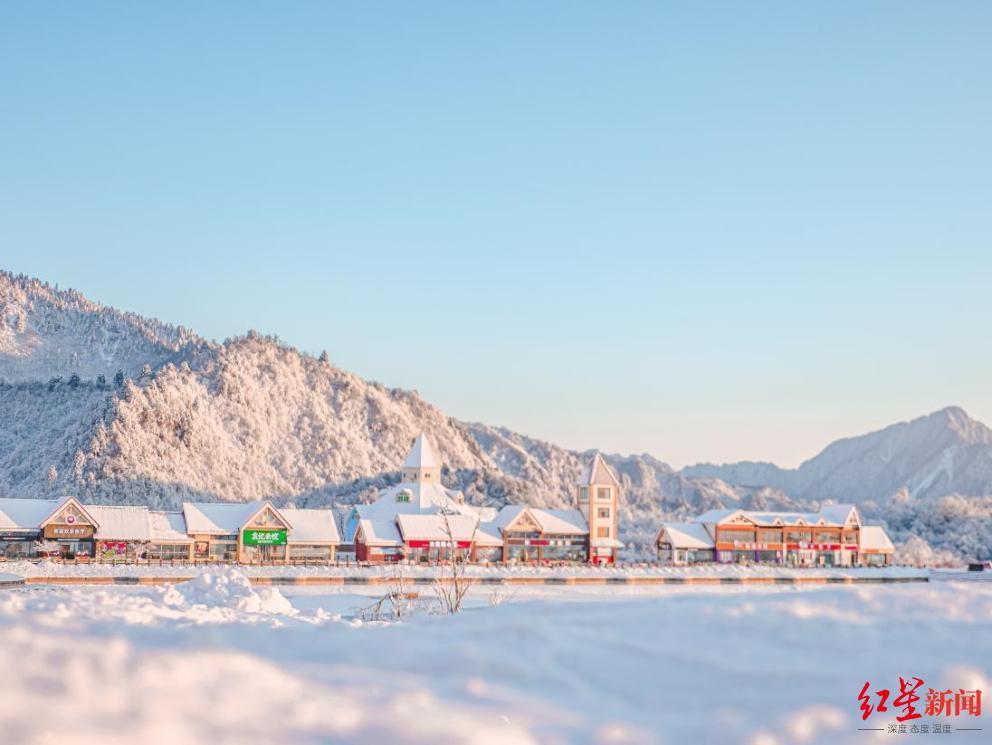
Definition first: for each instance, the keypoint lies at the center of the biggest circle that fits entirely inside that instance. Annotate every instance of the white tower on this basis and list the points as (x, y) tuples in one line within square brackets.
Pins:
[(421, 463), (598, 496)]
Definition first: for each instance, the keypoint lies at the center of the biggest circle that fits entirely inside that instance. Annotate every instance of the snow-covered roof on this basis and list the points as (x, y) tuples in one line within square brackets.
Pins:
[(221, 518), (838, 514), (62, 507), (436, 527), (421, 455), (711, 517), (598, 472), (832, 514), (168, 527), (425, 498), (126, 523), (507, 515), (569, 522), (488, 535), (26, 514), (561, 522), (874, 538), (687, 535), (379, 533), (311, 526)]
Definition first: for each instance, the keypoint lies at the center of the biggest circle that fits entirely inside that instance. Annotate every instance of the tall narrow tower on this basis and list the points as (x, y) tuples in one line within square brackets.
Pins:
[(598, 496), (421, 463)]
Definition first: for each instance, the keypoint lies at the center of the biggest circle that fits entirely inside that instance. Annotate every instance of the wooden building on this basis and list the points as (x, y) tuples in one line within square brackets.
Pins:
[(834, 536)]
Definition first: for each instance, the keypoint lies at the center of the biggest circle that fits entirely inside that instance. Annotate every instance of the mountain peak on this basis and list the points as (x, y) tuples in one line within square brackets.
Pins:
[(967, 430)]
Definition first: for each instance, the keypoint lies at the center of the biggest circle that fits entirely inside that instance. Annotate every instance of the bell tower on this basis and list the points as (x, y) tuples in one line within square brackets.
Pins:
[(597, 493), (421, 463)]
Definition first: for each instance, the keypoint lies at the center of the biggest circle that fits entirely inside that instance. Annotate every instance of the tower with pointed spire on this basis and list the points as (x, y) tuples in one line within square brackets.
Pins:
[(421, 464), (598, 497)]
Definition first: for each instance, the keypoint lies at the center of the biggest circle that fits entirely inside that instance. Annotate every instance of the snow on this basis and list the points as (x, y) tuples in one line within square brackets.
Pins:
[(646, 572), (311, 526), (214, 661), (560, 522), (121, 523), (688, 535), (380, 533), (25, 513), (443, 528), (874, 537), (421, 455), (219, 518), (597, 471), (253, 418), (168, 527)]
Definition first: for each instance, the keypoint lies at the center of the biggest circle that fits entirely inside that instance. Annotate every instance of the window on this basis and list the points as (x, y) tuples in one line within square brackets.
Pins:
[(322, 553), (168, 551), (223, 551), (584, 493), (604, 512), (404, 496), (602, 532), (603, 492)]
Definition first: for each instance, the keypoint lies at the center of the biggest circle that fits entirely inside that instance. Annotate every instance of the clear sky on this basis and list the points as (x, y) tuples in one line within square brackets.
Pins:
[(708, 231)]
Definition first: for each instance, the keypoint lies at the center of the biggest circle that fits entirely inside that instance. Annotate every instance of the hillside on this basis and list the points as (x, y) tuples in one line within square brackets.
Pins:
[(121, 409)]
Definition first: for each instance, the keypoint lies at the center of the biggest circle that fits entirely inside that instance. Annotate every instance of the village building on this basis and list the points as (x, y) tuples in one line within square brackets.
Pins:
[(420, 520), (417, 520), (31, 527), (598, 498), (375, 528), (533, 535), (122, 533), (169, 540), (253, 532), (834, 536), (258, 532)]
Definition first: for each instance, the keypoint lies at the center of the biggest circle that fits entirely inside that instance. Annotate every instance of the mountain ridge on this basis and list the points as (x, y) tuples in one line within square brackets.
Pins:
[(117, 408), (939, 453)]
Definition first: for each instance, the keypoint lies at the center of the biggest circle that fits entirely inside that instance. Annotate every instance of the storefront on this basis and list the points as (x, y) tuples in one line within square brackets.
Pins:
[(313, 536), (832, 537), (533, 535), (263, 545), (18, 544), (72, 529)]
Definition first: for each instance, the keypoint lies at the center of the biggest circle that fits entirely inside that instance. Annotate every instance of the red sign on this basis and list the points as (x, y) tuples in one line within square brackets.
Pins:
[(418, 544)]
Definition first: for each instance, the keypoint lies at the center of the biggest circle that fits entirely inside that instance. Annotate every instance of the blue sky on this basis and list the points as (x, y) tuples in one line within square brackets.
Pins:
[(708, 232)]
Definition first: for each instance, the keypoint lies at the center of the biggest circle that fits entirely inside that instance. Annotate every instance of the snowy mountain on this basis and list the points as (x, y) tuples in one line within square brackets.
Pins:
[(117, 408), (946, 452), (46, 332)]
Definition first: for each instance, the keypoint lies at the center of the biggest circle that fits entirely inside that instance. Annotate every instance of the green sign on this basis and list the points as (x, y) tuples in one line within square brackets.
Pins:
[(265, 537)]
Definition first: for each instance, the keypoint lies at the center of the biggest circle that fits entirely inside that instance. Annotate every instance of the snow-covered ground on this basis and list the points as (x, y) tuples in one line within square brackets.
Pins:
[(217, 661), (56, 569)]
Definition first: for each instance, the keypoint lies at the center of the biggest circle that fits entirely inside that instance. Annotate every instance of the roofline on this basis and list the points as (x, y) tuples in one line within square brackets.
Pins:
[(267, 503), (79, 505)]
